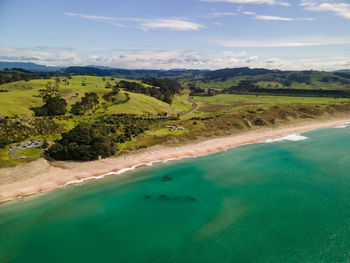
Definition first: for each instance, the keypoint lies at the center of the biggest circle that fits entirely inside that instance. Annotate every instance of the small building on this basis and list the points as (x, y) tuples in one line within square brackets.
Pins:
[(174, 127)]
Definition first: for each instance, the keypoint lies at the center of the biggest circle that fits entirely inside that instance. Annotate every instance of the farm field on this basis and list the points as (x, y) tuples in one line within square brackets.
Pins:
[(312, 80), (231, 103)]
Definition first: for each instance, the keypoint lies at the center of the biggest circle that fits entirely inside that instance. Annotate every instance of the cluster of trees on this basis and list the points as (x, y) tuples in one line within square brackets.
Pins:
[(196, 91), (85, 142), (245, 85), (250, 86), (345, 75), (167, 87), (54, 104), (124, 127), (17, 130), (300, 77), (162, 89), (342, 80), (89, 141), (139, 88), (16, 74), (111, 96), (130, 131), (234, 72), (88, 102)]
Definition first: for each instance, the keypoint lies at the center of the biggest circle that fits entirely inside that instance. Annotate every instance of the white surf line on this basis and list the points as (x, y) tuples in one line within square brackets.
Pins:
[(346, 124), (121, 171), (292, 137), (79, 181)]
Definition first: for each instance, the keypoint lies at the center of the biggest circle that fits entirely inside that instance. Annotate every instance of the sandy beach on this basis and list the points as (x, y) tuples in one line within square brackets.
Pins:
[(41, 175)]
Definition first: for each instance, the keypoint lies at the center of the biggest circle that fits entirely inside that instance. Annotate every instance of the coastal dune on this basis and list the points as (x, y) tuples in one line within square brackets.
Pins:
[(41, 175)]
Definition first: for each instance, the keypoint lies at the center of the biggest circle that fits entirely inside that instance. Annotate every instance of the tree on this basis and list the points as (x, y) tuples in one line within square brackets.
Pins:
[(51, 89), (55, 106), (45, 143), (88, 102), (109, 95), (108, 85), (84, 142)]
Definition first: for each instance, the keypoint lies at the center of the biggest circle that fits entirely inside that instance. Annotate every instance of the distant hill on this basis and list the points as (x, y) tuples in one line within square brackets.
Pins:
[(235, 72), (129, 73), (343, 71), (28, 66)]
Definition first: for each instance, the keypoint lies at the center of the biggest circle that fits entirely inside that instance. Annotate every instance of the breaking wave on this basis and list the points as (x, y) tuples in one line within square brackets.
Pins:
[(292, 137)]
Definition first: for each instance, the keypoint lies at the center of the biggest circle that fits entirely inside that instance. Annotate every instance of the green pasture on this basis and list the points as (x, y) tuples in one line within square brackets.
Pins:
[(28, 152), (231, 103), (140, 104), (22, 96)]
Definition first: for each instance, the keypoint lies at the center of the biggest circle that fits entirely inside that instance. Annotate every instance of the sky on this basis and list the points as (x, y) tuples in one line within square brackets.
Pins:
[(174, 34)]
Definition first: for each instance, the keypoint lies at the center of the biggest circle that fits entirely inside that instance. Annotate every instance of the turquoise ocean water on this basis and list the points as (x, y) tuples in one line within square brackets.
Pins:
[(286, 201)]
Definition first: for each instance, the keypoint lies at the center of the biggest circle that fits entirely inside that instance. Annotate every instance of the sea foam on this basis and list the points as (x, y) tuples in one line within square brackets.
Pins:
[(121, 171), (342, 126), (292, 137)]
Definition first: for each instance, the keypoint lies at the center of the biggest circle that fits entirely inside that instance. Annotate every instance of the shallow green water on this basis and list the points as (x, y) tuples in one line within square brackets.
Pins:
[(270, 202)]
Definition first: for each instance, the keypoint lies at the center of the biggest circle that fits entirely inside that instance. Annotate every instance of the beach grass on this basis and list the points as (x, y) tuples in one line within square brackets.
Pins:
[(166, 131)]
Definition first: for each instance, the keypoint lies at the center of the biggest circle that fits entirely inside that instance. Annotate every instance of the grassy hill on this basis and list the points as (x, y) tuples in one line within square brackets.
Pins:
[(140, 104), (23, 95), (134, 120), (272, 79)]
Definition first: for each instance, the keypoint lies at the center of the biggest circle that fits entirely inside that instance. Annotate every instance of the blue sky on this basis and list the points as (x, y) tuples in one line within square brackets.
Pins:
[(165, 34)]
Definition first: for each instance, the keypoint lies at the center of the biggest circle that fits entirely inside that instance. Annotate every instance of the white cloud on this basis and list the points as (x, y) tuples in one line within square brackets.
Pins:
[(251, 59), (168, 59), (92, 17), (295, 42), (274, 18), (45, 55), (172, 24), (233, 54), (326, 64), (132, 59), (341, 9), (269, 2), (175, 24), (278, 18), (249, 13)]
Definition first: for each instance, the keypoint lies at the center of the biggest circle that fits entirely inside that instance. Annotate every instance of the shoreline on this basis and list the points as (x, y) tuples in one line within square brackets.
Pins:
[(41, 176)]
